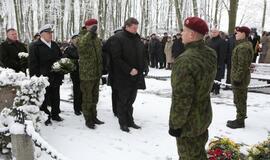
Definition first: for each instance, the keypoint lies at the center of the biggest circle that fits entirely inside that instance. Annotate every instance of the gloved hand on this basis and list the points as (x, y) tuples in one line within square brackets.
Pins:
[(175, 132), (236, 83)]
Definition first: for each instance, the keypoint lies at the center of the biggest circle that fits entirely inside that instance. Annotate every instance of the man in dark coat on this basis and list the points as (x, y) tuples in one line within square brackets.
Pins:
[(163, 56), (218, 44), (178, 46), (109, 66), (255, 39), (230, 46), (72, 53), (129, 67), (43, 53), (154, 49), (9, 50)]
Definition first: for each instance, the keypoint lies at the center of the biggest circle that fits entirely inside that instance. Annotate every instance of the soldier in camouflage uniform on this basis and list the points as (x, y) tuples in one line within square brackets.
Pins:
[(90, 72), (240, 75), (193, 75)]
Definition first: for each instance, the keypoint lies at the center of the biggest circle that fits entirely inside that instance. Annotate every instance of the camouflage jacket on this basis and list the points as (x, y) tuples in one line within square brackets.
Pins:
[(242, 57), (192, 78), (90, 62)]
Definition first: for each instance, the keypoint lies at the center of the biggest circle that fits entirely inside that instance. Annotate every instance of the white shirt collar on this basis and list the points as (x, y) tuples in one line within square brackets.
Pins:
[(49, 44)]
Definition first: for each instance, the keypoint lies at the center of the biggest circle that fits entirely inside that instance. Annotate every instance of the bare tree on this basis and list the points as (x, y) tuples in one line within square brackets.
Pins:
[(264, 13), (17, 17), (232, 15), (195, 7), (178, 9)]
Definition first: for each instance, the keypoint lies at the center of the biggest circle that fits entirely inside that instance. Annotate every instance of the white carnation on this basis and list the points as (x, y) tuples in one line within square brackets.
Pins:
[(56, 65)]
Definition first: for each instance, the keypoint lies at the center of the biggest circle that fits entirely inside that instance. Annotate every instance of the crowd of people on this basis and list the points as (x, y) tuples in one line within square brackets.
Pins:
[(195, 57)]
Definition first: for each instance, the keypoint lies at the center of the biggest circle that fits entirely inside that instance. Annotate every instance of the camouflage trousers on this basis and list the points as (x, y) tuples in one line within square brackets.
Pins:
[(240, 101), (192, 148), (90, 93)]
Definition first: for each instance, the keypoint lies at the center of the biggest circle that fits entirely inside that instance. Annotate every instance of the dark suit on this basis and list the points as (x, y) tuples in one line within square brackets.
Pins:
[(41, 59), (9, 55), (72, 53), (127, 52)]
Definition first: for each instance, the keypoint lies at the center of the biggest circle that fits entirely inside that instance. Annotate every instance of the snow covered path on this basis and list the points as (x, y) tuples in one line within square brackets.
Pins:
[(151, 111)]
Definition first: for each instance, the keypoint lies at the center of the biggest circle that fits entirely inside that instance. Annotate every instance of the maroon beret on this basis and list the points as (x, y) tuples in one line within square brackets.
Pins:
[(196, 24), (90, 22), (243, 29)]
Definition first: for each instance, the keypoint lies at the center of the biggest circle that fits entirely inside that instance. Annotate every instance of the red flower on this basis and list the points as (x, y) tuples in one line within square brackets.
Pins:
[(211, 152), (218, 152), (228, 154), (212, 158)]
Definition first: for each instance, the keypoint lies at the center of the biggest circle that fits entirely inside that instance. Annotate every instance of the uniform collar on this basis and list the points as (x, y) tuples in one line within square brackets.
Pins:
[(241, 41), (194, 44)]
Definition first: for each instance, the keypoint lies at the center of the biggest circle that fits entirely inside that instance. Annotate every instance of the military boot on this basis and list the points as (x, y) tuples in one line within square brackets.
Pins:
[(238, 123)]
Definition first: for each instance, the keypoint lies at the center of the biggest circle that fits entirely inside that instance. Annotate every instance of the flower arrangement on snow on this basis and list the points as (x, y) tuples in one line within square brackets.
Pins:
[(29, 97), (223, 149), (64, 65), (260, 151)]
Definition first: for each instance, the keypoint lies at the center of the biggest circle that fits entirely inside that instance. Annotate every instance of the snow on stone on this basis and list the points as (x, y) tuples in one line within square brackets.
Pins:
[(16, 128), (10, 77)]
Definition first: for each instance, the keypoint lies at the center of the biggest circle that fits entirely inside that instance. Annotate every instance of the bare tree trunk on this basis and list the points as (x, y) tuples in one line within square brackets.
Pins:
[(157, 14), (195, 7), (126, 8), (105, 15), (100, 17), (146, 24), (264, 14), (216, 13), (178, 9), (17, 17), (142, 15), (232, 15), (129, 11), (169, 15), (22, 25), (72, 18)]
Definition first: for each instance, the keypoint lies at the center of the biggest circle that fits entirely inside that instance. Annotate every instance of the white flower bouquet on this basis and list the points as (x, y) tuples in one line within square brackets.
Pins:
[(260, 151), (23, 55), (64, 65)]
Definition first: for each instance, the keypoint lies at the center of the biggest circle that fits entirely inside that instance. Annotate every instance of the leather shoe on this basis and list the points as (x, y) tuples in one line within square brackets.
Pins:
[(135, 126), (77, 113), (90, 125), (124, 128), (57, 118), (98, 122), (48, 122)]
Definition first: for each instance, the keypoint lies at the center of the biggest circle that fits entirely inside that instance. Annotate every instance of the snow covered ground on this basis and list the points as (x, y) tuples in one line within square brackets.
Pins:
[(151, 110)]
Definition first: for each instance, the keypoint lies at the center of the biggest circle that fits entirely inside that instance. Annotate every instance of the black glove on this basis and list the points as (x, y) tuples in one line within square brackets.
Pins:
[(236, 83), (145, 73), (175, 132)]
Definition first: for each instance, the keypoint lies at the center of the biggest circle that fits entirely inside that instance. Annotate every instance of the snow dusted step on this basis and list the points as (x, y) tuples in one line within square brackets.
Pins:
[(262, 71)]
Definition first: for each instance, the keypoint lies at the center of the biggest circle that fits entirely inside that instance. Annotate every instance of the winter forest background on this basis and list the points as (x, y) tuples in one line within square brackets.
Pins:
[(155, 16)]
